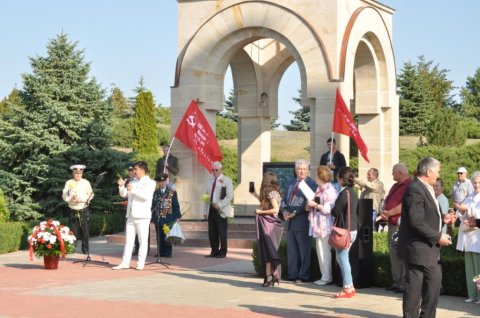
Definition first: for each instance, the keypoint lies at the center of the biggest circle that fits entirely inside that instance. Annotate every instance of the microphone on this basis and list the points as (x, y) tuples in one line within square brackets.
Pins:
[(103, 173)]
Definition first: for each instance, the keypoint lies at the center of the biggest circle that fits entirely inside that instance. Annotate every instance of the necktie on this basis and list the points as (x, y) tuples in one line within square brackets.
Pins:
[(213, 189), (295, 189)]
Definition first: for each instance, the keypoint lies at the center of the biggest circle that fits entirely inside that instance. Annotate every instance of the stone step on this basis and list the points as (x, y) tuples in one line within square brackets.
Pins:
[(241, 234)]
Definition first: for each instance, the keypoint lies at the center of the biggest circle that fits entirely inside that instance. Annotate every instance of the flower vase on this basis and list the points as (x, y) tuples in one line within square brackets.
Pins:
[(51, 261)]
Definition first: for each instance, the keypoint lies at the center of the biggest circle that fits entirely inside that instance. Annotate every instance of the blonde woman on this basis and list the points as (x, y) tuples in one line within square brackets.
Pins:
[(321, 221)]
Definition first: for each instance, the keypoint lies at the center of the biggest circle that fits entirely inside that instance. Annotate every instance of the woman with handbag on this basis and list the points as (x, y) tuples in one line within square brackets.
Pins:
[(321, 221), (469, 238), (345, 214), (269, 228)]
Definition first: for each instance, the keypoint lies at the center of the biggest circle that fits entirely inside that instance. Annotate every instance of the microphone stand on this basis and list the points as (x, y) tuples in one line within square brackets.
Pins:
[(85, 214), (158, 229)]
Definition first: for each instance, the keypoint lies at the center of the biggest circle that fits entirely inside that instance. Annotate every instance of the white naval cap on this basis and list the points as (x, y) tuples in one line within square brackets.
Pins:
[(77, 168)]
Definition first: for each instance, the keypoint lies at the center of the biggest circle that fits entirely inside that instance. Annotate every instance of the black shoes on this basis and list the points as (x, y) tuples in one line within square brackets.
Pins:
[(220, 256), (395, 289), (210, 256)]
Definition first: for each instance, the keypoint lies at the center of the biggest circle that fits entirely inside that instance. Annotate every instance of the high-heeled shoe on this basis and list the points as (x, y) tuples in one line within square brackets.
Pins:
[(267, 281), (273, 281)]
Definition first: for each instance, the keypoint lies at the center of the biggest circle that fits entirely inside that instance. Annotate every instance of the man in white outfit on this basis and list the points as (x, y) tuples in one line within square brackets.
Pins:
[(139, 213)]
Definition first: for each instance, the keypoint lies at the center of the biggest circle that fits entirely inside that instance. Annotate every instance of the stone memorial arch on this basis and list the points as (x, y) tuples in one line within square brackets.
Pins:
[(335, 43)]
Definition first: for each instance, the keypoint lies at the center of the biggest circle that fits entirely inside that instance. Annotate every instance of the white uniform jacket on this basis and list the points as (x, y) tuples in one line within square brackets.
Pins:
[(139, 198)]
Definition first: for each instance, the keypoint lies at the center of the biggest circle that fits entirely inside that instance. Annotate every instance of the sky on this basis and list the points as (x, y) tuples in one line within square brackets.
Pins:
[(124, 40)]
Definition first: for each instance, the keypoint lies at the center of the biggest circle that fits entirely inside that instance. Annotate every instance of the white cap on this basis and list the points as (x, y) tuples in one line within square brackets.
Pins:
[(461, 170), (77, 168)]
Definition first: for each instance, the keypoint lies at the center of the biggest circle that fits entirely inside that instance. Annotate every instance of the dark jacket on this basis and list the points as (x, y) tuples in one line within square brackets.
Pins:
[(338, 160), (165, 207), (419, 227), (172, 168), (341, 208), (296, 203)]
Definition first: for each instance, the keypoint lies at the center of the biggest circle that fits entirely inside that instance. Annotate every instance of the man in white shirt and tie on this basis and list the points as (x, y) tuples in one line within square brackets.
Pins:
[(220, 190), (138, 216)]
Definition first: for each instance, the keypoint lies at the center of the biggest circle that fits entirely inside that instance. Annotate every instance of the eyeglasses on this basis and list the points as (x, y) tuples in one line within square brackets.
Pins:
[(215, 170)]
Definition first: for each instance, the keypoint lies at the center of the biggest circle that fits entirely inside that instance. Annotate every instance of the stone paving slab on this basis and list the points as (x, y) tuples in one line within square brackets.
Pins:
[(192, 286)]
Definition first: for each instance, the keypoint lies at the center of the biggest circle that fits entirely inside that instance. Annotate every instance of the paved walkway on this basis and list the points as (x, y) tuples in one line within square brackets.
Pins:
[(192, 286)]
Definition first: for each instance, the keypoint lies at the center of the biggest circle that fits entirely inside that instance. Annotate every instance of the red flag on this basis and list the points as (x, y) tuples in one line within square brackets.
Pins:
[(195, 132), (344, 124)]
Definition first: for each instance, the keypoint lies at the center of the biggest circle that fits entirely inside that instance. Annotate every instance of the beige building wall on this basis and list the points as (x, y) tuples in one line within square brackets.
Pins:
[(335, 43)]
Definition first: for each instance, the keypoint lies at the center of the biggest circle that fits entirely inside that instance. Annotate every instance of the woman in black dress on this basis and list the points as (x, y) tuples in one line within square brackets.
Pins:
[(269, 228)]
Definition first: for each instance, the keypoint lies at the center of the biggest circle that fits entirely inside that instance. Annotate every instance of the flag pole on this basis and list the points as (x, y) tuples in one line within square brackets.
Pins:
[(331, 149), (168, 154)]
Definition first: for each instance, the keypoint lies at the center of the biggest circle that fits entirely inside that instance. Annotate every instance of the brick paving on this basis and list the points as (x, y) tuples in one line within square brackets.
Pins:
[(192, 286)]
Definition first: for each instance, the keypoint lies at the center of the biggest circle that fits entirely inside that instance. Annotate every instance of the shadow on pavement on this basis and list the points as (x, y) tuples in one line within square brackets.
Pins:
[(287, 313)]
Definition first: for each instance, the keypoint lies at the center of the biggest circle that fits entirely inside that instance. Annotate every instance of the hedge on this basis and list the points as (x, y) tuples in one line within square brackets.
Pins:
[(14, 235), (452, 261)]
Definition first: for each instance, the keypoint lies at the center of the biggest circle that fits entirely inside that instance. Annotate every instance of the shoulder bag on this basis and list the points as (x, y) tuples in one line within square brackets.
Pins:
[(340, 237)]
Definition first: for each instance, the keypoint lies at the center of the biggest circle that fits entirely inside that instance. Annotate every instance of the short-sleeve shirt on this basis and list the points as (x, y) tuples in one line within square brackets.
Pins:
[(274, 195)]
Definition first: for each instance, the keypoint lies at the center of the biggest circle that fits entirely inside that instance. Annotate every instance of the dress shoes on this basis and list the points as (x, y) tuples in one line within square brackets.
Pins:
[(399, 291), (121, 266), (220, 256), (211, 256), (391, 288)]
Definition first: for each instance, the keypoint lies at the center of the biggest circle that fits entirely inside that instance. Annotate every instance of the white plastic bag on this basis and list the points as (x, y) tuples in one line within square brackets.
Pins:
[(175, 236)]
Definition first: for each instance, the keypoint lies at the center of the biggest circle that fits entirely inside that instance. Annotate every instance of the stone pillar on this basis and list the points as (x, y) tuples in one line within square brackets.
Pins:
[(253, 149)]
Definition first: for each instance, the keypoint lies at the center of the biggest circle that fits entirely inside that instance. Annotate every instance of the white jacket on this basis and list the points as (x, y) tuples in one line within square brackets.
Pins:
[(470, 241), (225, 204), (139, 198)]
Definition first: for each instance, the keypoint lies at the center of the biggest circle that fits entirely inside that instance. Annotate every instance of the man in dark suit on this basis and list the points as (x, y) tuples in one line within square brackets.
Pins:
[(332, 158), (296, 218), (420, 239), (170, 166)]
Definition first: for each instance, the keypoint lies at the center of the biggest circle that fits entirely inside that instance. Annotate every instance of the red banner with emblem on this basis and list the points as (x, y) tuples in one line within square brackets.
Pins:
[(344, 124), (195, 132)]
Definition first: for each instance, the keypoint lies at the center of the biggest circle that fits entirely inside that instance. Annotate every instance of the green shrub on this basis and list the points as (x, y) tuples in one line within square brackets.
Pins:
[(471, 127), (14, 236), (227, 129), (164, 136), (230, 164), (101, 224), (452, 262), (4, 213)]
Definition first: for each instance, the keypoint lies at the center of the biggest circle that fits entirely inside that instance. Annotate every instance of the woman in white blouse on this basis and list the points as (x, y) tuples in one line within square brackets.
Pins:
[(321, 221), (469, 238)]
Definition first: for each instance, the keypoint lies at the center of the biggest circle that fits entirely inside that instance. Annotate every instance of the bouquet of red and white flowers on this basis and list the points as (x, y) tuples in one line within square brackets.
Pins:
[(51, 238)]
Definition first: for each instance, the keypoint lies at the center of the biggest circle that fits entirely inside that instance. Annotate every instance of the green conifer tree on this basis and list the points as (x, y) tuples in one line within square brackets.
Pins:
[(470, 95), (301, 116), (423, 89), (145, 129), (13, 98), (119, 103), (61, 107)]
